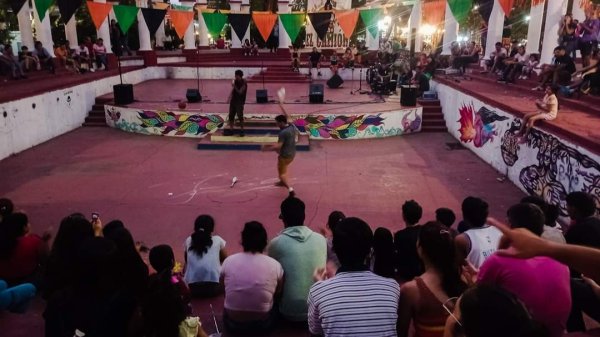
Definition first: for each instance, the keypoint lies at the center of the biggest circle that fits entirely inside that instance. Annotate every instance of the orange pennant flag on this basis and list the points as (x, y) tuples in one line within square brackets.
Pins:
[(264, 21), (507, 6), (181, 20), (98, 11), (347, 21), (434, 12)]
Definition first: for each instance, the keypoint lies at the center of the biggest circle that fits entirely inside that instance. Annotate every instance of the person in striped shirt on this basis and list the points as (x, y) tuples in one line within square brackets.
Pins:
[(355, 302)]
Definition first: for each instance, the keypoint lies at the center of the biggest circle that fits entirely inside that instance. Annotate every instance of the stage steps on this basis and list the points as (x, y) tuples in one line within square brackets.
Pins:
[(96, 117), (257, 133), (279, 74), (433, 118)]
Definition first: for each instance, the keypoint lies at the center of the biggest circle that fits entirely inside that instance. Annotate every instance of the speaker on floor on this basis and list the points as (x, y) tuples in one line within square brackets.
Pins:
[(193, 95), (262, 96), (316, 93), (123, 93), (408, 95), (335, 81)]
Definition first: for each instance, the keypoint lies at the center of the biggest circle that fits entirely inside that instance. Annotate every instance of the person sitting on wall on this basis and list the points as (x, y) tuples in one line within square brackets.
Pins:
[(246, 47), (348, 58), (83, 58), (514, 66), (28, 60), (551, 72), (333, 63), (254, 50), (496, 59), (220, 43), (11, 60), (547, 110), (100, 52)]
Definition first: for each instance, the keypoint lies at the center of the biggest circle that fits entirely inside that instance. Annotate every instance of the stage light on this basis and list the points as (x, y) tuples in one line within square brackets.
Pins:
[(427, 29), (384, 23), (476, 7), (527, 18)]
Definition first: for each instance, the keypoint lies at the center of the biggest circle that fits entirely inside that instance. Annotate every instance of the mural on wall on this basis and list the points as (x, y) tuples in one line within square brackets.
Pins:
[(477, 127), (182, 124), (559, 169)]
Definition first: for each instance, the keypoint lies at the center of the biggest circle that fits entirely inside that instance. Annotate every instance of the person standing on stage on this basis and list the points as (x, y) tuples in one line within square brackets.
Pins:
[(286, 145), (237, 99), (314, 59)]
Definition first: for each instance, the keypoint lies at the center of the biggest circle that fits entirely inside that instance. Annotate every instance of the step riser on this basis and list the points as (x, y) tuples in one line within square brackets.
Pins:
[(242, 147)]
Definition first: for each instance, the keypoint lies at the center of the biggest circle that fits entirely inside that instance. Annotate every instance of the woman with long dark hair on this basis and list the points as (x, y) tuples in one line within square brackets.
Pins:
[(204, 253), (423, 297), (384, 256)]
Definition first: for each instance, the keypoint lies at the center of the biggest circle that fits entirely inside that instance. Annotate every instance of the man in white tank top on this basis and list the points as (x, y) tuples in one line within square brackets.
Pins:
[(480, 241)]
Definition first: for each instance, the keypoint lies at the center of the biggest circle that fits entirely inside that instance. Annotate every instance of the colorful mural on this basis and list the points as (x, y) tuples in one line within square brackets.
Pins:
[(337, 126), (477, 127)]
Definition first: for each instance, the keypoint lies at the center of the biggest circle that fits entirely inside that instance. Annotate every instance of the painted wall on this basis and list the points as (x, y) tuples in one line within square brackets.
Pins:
[(339, 126), (545, 165)]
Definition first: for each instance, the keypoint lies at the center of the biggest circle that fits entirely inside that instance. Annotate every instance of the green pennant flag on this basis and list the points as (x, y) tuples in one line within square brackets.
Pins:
[(41, 6), (214, 23), (460, 9), (292, 24), (370, 18), (125, 16)]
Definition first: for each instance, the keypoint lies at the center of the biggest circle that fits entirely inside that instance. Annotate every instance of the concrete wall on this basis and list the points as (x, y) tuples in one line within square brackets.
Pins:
[(545, 165)]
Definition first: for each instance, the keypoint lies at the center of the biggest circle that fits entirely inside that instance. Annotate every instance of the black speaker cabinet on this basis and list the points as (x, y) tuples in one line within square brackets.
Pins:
[(335, 81), (123, 94), (316, 93), (408, 95), (193, 95), (262, 96)]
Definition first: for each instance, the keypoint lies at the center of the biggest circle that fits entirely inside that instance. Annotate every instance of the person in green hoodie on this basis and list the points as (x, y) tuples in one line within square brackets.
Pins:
[(300, 251)]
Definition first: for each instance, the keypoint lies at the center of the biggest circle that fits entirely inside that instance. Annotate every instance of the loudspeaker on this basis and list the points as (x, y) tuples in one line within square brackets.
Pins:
[(432, 95), (316, 93), (335, 81), (262, 96), (123, 93), (193, 95), (408, 95)]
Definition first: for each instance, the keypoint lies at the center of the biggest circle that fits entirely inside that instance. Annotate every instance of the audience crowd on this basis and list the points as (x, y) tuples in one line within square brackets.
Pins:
[(432, 278)]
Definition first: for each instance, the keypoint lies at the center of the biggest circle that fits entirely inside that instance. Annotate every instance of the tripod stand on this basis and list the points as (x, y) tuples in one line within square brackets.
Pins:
[(359, 90)]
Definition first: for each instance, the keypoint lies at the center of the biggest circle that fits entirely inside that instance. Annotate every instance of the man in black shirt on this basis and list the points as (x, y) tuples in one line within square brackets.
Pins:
[(409, 264), (237, 99), (561, 63), (314, 59)]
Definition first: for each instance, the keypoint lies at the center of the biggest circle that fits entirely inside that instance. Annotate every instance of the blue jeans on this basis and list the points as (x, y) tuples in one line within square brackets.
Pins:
[(17, 298)]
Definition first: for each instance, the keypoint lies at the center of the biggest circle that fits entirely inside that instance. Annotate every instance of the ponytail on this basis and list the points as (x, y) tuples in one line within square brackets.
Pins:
[(202, 236)]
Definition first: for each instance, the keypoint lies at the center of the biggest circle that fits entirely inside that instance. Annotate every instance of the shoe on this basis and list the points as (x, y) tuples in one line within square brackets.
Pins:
[(319, 73), (279, 184), (242, 134), (292, 193)]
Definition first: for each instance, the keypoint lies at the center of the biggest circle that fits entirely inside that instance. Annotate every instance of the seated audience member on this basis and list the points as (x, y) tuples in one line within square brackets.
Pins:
[(16, 299), (100, 54), (252, 281), (83, 57), (514, 65), (348, 58), (44, 56), (28, 60), (60, 268), (560, 63), (6, 208), (547, 110), (532, 280), (254, 49), (295, 59), (92, 304), (532, 64), (471, 56), (61, 53), (496, 61), (294, 241), (333, 63), (314, 61), (220, 43), (333, 220), (383, 258), (490, 311), (408, 263), (203, 254), (446, 217), (590, 75), (22, 254), (480, 241), (12, 62), (89, 44), (585, 224), (423, 298), (246, 47), (333, 307), (552, 229)]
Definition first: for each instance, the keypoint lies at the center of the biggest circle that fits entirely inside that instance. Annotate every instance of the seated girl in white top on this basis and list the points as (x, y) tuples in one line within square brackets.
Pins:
[(203, 254), (547, 110)]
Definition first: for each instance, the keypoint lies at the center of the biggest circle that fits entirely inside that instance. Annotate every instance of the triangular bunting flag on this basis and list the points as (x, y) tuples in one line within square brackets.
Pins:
[(402, 12), (460, 8), (347, 21), (125, 16), (264, 21), (292, 24), (41, 6), (239, 23), (507, 6), (370, 18), (67, 8), (214, 23), (434, 12), (181, 20), (98, 11), (320, 22), (17, 5), (153, 18)]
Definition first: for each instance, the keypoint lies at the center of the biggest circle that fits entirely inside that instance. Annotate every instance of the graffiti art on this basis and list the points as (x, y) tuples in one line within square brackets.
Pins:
[(181, 124), (337, 126), (477, 127)]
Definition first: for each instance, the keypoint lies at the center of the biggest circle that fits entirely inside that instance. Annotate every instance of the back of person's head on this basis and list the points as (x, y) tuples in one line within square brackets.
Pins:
[(6, 207), (411, 212), (73, 230), (254, 237), (281, 119), (111, 226), (123, 240), (12, 228), (239, 73), (436, 246), (163, 307), (202, 236), (95, 264), (580, 205), (383, 251), (551, 212), (334, 218), (499, 44), (293, 212), (475, 211), (526, 215), (489, 311), (162, 258), (352, 241), (445, 216)]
